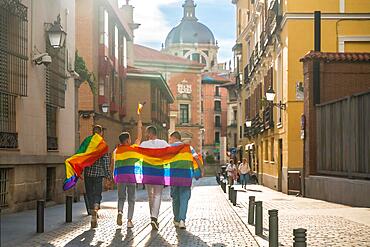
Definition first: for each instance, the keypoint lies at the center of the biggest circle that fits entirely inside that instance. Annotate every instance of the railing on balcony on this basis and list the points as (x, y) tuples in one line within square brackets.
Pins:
[(217, 124), (268, 117), (246, 75), (217, 109)]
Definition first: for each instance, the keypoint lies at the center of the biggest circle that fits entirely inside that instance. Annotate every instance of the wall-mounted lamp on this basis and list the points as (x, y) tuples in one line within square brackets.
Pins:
[(270, 96), (104, 107), (56, 34), (248, 123)]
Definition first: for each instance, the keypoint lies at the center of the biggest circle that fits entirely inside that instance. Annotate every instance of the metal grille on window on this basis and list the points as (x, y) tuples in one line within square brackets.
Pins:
[(50, 183), (13, 66), (4, 186), (55, 77), (51, 125)]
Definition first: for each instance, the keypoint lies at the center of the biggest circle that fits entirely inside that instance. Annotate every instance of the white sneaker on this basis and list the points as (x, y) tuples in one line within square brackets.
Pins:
[(176, 223), (130, 224), (182, 224)]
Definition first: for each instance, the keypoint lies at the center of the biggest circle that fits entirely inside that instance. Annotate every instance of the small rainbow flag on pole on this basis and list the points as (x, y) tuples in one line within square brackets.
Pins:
[(140, 107), (91, 149), (162, 166)]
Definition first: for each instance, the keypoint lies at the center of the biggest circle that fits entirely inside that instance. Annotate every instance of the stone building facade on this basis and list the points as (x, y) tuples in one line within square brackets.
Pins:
[(37, 103)]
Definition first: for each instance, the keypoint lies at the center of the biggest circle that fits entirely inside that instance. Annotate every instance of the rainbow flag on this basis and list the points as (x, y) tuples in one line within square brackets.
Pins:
[(91, 149), (162, 166)]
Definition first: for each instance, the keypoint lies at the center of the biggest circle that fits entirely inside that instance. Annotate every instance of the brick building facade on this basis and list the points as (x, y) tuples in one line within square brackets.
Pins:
[(184, 80)]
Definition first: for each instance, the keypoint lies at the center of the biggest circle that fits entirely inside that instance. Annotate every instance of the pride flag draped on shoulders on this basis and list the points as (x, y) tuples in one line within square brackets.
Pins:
[(162, 166), (91, 149)]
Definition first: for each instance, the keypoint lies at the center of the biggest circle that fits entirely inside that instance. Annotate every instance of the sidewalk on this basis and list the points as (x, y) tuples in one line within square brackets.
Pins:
[(327, 224), (211, 222)]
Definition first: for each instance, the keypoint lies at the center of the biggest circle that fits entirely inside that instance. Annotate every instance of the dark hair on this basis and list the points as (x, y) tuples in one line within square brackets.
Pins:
[(176, 134), (123, 137), (151, 130), (97, 129)]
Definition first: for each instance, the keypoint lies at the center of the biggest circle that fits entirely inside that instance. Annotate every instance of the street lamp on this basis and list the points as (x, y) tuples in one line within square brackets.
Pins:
[(164, 124), (104, 107), (56, 34), (270, 96), (248, 123)]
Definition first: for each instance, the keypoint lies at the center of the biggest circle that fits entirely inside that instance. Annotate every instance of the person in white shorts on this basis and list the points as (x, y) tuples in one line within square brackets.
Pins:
[(154, 191)]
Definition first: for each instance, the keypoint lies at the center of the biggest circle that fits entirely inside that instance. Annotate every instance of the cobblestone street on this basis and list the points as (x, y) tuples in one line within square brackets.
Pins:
[(327, 224), (211, 222)]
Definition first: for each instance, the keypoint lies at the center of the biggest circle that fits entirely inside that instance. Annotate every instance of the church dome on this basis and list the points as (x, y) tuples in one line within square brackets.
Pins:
[(190, 30)]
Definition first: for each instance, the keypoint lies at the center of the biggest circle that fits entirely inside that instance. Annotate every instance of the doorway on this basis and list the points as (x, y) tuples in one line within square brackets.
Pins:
[(280, 165)]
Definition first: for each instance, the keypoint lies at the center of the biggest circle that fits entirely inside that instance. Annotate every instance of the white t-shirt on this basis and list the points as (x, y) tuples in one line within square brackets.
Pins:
[(157, 143)]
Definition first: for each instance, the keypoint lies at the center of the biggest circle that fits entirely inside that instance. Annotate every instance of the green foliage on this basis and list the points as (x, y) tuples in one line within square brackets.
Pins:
[(85, 74), (210, 159)]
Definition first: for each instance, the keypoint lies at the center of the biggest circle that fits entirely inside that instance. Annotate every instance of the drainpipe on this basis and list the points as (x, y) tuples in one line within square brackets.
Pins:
[(316, 64)]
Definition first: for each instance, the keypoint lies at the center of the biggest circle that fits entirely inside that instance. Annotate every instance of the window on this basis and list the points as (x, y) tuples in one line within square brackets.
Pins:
[(113, 86), (50, 183), (217, 137), (217, 91), (104, 27), (266, 150), (201, 106), (115, 41), (235, 115), (125, 51), (272, 149), (240, 132), (195, 57), (184, 113), (4, 186), (217, 105), (217, 121), (121, 92), (13, 67), (51, 127), (235, 139)]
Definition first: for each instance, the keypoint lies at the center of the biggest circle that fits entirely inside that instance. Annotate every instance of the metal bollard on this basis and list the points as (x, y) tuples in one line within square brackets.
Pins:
[(224, 186), (40, 216), (229, 192), (251, 210), (299, 237), (235, 193), (68, 208), (259, 219), (273, 228)]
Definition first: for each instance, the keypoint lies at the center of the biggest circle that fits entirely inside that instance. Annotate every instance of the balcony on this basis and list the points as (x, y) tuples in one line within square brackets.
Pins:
[(268, 117), (113, 107), (217, 96), (52, 143), (246, 77), (274, 17), (232, 123), (122, 111), (217, 124), (217, 109)]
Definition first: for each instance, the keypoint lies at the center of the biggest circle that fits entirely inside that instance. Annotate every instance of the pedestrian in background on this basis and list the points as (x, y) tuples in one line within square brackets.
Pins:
[(244, 171), (231, 171), (93, 177)]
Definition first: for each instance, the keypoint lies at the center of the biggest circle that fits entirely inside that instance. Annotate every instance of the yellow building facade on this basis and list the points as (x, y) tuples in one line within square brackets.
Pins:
[(272, 35)]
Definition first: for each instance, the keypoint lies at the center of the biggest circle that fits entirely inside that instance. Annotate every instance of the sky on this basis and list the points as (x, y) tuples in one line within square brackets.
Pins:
[(158, 17)]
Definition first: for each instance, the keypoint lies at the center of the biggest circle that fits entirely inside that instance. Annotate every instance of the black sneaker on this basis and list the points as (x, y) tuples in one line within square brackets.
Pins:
[(155, 225)]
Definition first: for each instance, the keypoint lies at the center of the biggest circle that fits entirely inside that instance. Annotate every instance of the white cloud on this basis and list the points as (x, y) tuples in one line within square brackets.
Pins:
[(154, 27), (225, 49)]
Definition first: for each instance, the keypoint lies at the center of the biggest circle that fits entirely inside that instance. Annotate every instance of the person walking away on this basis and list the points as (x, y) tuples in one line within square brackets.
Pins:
[(231, 170), (154, 191), (127, 189), (93, 177), (181, 194), (244, 171)]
